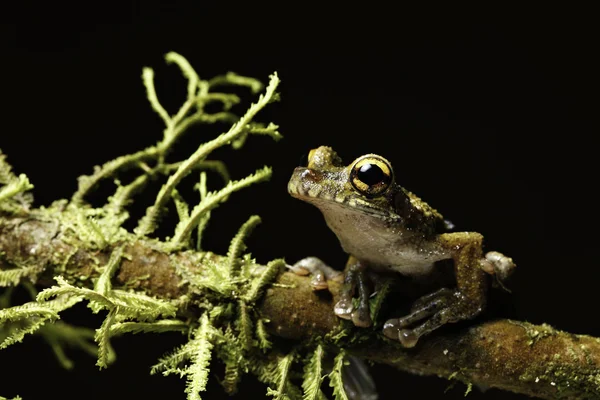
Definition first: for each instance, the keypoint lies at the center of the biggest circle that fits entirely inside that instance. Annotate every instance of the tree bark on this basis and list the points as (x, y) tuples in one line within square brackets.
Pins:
[(536, 360)]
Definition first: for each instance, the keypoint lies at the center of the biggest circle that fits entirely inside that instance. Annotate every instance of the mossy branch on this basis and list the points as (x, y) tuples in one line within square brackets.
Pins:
[(542, 361)]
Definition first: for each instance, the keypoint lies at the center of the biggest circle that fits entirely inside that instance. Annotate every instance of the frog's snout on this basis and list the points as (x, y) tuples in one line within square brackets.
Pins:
[(303, 180)]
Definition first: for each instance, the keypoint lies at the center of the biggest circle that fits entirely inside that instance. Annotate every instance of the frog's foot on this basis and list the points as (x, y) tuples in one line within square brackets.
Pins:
[(445, 305), (321, 272), (355, 277), (498, 265), (441, 307)]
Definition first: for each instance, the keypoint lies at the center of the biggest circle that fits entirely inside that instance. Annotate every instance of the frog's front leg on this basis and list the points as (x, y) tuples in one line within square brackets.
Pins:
[(466, 301), (355, 276)]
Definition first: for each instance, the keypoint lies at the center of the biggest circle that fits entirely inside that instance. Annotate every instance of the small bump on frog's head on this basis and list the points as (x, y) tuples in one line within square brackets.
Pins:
[(323, 157), (322, 178)]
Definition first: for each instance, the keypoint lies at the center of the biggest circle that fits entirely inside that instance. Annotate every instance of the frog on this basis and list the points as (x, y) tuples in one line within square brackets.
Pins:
[(384, 228)]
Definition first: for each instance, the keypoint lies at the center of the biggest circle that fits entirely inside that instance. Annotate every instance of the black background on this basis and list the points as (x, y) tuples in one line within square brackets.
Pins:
[(488, 119)]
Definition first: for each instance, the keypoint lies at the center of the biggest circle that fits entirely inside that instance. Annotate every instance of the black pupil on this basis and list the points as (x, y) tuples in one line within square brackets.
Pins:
[(371, 174)]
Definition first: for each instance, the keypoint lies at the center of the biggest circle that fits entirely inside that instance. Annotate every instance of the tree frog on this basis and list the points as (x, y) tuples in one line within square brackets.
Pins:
[(383, 226)]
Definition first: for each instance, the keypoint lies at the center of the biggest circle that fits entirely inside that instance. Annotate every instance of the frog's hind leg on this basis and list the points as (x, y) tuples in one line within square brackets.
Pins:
[(321, 272), (355, 277), (447, 305)]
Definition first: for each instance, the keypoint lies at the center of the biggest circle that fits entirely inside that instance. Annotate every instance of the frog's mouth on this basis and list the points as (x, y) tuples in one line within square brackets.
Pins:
[(306, 185)]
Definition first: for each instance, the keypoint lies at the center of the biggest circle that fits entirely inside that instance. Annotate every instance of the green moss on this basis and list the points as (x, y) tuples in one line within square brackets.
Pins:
[(567, 376), (536, 332)]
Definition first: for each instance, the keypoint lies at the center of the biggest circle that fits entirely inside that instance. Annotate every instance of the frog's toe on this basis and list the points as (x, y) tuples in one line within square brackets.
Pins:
[(407, 337), (318, 282), (321, 272), (440, 308), (361, 317), (355, 279), (391, 329), (344, 308)]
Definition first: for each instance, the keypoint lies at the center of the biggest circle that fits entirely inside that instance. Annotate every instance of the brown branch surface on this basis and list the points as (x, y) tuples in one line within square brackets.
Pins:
[(516, 356)]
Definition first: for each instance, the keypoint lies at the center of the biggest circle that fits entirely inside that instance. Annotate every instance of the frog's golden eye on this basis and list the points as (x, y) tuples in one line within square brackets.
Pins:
[(371, 175)]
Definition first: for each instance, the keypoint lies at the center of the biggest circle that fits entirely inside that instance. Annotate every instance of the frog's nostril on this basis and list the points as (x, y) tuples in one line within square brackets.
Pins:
[(311, 175)]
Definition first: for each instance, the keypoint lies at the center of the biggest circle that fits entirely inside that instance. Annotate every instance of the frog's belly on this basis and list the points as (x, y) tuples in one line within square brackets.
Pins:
[(372, 241)]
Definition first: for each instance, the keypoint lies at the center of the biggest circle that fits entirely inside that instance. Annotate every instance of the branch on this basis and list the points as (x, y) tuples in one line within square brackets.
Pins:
[(536, 360), (520, 357)]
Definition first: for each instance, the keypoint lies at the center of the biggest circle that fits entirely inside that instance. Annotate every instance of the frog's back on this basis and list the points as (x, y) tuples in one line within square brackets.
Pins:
[(419, 216)]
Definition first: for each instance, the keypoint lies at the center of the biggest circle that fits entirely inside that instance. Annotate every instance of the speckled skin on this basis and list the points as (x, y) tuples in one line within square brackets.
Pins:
[(392, 230)]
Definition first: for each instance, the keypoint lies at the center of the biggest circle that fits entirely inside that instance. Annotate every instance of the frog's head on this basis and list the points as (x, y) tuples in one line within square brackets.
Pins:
[(366, 185)]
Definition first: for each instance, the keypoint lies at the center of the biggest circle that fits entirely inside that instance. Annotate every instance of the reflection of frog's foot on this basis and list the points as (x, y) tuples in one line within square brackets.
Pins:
[(440, 307), (321, 272), (360, 315)]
